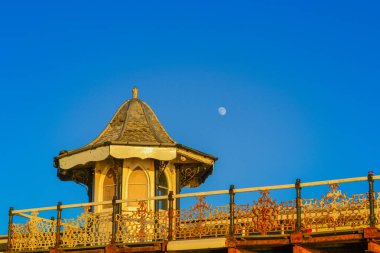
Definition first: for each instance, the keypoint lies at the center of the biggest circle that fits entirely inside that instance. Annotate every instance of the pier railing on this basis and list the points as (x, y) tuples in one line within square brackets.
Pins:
[(80, 225)]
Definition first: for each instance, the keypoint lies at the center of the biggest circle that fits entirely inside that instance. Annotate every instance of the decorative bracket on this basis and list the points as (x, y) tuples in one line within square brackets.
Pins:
[(192, 175), (161, 167)]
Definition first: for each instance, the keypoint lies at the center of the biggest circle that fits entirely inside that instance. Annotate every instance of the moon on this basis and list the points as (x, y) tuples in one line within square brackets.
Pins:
[(222, 111)]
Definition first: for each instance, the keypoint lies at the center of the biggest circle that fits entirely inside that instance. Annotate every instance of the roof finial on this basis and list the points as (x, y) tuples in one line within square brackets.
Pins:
[(135, 92)]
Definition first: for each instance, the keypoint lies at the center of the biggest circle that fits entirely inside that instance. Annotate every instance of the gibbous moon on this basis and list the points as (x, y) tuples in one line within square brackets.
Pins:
[(222, 111)]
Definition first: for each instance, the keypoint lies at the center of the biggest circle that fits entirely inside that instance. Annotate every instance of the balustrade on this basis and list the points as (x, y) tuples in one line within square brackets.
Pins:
[(263, 216)]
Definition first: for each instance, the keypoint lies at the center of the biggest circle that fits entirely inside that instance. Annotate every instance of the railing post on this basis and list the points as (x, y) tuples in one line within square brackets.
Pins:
[(59, 218), (10, 225), (371, 196), (232, 210), (171, 200), (114, 223), (298, 204)]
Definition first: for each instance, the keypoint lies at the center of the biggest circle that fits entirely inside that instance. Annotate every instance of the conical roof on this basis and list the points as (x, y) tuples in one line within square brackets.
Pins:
[(134, 123), (135, 132)]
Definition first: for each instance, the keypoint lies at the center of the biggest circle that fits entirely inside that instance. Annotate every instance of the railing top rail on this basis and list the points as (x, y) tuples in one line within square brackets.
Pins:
[(48, 208), (137, 200), (207, 193), (260, 188), (337, 181), (86, 204), (275, 187), (196, 194)]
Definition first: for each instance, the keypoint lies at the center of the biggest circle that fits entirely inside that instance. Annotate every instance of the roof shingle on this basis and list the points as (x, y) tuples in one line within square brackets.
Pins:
[(134, 122)]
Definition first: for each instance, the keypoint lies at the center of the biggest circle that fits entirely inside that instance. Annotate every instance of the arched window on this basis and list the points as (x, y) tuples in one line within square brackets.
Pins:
[(109, 186), (137, 186), (163, 190)]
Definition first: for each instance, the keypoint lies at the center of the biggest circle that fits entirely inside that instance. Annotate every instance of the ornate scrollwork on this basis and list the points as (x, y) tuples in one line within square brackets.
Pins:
[(377, 206), (265, 216), (36, 234), (265, 212), (200, 209), (142, 225), (192, 175), (80, 176), (335, 210), (201, 220), (88, 229)]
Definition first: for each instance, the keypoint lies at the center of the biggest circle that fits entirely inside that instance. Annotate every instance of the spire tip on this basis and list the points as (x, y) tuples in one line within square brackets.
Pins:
[(135, 92)]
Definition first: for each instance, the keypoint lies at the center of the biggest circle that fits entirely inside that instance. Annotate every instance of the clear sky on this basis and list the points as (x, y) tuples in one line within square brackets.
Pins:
[(299, 79)]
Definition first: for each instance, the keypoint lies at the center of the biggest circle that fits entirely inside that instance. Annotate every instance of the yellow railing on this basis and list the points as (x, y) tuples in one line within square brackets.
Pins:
[(264, 216)]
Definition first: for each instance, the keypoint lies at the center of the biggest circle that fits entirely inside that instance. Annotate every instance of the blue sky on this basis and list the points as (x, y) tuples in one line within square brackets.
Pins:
[(299, 79)]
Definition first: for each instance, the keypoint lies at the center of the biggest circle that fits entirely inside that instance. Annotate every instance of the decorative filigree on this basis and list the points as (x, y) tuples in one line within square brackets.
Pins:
[(335, 211), (36, 234), (377, 206), (191, 174), (80, 176), (265, 212), (142, 225), (265, 216), (201, 220), (88, 229), (200, 208)]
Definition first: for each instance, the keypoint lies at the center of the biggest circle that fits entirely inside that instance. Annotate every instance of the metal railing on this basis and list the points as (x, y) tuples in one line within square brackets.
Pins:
[(329, 212)]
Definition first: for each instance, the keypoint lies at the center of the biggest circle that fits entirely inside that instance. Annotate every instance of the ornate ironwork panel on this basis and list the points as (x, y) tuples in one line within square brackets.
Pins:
[(201, 220), (36, 234), (377, 206), (335, 211), (265, 216), (88, 229), (142, 225)]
